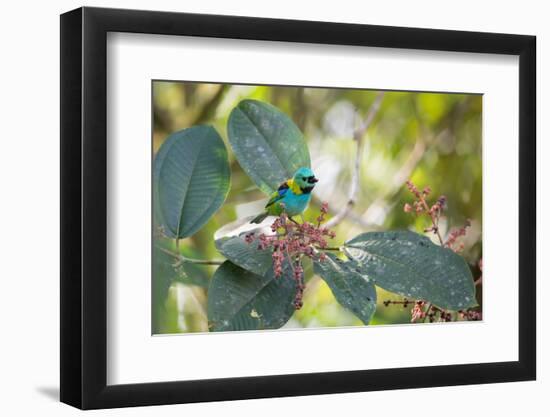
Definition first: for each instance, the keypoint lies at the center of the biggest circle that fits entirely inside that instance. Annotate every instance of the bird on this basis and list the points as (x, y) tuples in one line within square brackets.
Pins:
[(292, 196)]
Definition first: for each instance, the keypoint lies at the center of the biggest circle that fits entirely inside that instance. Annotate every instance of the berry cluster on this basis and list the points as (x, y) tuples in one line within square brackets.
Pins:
[(470, 315), (434, 211), (417, 312), (291, 241), (454, 234), (423, 311), (420, 206), (432, 313)]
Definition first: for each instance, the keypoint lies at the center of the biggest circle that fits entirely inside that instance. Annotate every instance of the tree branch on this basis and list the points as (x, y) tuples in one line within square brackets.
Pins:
[(358, 137), (210, 108)]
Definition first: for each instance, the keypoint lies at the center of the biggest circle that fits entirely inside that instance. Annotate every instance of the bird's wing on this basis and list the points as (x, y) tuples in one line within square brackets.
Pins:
[(279, 194)]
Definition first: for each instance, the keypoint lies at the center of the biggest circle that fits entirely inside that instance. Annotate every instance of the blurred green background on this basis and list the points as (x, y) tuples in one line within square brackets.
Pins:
[(434, 139)]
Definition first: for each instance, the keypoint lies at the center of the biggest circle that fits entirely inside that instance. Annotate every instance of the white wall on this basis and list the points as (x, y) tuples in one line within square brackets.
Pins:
[(29, 207)]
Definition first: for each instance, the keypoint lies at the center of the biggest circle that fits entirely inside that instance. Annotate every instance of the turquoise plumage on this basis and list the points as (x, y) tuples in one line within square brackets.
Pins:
[(292, 196)]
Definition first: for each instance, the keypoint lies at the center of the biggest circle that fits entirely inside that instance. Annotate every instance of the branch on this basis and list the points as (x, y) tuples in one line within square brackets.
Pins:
[(210, 108), (358, 137), (182, 259), (336, 249)]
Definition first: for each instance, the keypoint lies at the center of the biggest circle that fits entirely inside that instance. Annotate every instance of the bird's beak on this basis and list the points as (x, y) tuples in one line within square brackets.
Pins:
[(313, 180)]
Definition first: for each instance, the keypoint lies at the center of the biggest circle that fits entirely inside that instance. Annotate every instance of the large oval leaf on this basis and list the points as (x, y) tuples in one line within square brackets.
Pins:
[(241, 300), (411, 265), (267, 144), (230, 241), (191, 180), (351, 288), (246, 255)]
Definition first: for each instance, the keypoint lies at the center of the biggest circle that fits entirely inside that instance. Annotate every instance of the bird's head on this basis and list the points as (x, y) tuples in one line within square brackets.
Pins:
[(305, 178)]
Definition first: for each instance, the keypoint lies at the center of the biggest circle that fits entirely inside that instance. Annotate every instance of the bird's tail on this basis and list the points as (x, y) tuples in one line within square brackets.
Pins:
[(259, 218)]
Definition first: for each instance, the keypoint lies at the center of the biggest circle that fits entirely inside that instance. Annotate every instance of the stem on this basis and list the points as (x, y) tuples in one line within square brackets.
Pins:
[(181, 259), (407, 302), (433, 216), (428, 306), (339, 249)]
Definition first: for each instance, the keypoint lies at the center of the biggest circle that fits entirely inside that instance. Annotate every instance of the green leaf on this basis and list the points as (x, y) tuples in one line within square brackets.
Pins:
[(245, 255), (190, 180), (229, 240), (351, 287), (411, 265), (241, 300), (268, 145)]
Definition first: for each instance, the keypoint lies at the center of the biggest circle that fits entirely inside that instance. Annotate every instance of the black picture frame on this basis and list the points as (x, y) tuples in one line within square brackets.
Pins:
[(84, 207)]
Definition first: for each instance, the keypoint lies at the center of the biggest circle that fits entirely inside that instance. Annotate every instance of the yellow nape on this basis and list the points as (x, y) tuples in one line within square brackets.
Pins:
[(294, 187)]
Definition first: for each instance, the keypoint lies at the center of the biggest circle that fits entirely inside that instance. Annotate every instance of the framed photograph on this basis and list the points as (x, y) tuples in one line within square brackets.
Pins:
[(257, 208)]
